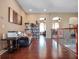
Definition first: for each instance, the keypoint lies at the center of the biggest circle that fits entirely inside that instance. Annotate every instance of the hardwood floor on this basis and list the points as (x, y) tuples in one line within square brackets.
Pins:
[(43, 49)]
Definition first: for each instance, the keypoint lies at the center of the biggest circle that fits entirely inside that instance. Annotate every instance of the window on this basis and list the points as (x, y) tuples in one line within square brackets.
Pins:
[(42, 27), (55, 25), (42, 24), (56, 21)]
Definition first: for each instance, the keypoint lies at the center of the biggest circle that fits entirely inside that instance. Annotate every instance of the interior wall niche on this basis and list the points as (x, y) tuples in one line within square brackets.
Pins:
[(14, 17)]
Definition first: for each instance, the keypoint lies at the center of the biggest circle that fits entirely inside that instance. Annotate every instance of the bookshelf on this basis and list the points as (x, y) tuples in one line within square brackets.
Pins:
[(33, 28)]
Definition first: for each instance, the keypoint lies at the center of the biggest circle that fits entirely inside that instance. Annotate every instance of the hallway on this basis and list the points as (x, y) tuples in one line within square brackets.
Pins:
[(43, 49)]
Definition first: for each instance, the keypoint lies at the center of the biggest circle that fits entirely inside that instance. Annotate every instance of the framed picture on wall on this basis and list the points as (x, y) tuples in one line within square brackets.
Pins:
[(19, 20), (14, 17), (10, 15)]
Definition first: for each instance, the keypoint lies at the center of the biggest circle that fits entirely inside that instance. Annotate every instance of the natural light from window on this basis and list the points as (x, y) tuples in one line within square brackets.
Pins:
[(42, 27), (55, 25), (56, 21)]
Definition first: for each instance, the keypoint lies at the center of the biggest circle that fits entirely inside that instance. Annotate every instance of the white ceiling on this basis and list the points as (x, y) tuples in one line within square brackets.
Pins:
[(38, 6)]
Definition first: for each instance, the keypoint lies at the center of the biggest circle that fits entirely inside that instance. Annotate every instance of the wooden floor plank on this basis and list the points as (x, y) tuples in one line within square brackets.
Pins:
[(43, 49)]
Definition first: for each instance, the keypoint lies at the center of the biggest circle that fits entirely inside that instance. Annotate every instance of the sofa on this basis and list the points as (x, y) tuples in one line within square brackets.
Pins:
[(25, 40)]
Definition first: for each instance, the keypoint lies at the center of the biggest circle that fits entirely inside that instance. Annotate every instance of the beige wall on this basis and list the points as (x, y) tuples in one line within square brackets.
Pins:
[(4, 24), (63, 24)]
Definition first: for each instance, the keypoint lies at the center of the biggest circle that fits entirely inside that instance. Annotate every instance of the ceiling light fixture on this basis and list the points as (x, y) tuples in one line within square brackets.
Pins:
[(30, 9), (56, 19), (45, 10), (42, 18)]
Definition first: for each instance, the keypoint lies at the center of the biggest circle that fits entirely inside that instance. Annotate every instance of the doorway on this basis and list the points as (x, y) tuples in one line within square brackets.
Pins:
[(42, 26)]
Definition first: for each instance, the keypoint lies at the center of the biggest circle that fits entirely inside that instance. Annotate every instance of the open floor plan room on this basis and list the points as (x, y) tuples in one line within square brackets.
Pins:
[(38, 29)]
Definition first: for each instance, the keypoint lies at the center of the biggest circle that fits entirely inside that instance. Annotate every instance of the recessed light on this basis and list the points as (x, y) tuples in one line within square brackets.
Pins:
[(30, 9), (42, 18), (56, 19), (45, 10)]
